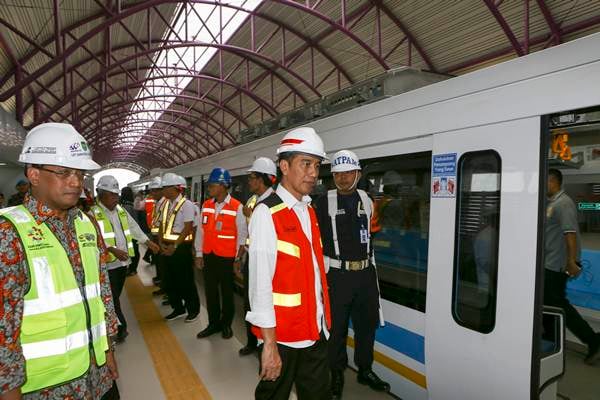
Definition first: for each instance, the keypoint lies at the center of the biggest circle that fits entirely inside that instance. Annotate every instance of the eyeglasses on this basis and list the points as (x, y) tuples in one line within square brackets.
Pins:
[(65, 174)]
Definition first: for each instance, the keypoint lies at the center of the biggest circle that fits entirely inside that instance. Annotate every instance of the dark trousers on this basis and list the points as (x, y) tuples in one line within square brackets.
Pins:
[(353, 294), (218, 285), (117, 281), (555, 284), (161, 270), (180, 281), (251, 339), (307, 368), (113, 393), (136, 257)]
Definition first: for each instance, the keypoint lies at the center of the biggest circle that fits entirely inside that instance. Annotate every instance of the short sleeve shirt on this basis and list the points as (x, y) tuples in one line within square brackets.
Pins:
[(186, 214), (561, 218)]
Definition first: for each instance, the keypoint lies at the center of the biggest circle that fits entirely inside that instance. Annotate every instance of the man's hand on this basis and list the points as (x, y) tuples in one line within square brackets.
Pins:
[(270, 362), (237, 269), (153, 246), (199, 262), (168, 249), (120, 254), (247, 211), (111, 363), (14, 394), (573, 270)]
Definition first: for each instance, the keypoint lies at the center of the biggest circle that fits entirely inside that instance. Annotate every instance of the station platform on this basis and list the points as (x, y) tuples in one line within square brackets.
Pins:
[(163, 360)]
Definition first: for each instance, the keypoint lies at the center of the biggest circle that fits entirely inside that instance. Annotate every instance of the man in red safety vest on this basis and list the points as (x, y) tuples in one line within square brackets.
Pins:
[(219, 245), (288, 292)]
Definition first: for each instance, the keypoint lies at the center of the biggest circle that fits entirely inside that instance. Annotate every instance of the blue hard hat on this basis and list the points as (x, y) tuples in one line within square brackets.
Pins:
[(220, 175)]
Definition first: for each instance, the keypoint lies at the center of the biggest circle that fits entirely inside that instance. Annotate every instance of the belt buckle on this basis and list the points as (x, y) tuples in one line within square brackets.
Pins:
[(355, 265)]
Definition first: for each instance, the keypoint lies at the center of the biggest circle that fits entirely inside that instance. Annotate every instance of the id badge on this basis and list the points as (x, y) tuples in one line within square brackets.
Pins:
[(219, 225), (364, 236)]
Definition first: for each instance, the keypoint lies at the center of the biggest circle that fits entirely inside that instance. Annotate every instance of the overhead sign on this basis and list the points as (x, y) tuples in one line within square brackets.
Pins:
[(588, 206), (443, 175)]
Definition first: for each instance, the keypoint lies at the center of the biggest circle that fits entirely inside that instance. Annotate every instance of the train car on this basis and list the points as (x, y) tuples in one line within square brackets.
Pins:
[(438, 160)]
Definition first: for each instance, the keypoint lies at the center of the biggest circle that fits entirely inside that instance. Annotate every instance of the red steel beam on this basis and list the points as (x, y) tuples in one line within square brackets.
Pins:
[(554, 28), (138, 7), (407, 33), (505, 27), (585, 24), (233, 49)]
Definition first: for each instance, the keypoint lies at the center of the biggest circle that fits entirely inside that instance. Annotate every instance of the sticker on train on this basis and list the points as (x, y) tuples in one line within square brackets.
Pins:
[(443, 175)]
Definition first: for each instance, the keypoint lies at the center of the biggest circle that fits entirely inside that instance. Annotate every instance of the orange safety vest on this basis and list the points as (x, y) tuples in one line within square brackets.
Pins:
[(220, 231), (149, 207), (294, 295)]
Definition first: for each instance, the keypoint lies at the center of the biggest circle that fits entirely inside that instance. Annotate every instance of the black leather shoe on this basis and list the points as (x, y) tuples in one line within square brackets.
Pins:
[(593, 354), (227, 333), (175, 315), (247, 350), (206, 332), (368, 377), (121, 336), (337, 384)]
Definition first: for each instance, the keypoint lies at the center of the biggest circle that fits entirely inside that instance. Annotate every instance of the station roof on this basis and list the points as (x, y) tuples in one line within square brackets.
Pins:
[(158, 83)]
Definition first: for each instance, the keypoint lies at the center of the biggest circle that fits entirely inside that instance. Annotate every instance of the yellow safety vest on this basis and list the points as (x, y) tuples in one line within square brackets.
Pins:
[(168, 219), (59, 317), (108, 231)]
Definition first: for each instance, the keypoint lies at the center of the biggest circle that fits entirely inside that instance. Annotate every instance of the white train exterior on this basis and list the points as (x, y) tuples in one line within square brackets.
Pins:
[(430, 352)]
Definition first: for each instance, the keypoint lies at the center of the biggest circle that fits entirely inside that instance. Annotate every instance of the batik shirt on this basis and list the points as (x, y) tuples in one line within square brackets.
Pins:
[(14, 283)]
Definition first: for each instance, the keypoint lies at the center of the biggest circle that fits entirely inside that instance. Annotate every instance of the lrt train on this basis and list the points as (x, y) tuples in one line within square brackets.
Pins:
[(445, 163)]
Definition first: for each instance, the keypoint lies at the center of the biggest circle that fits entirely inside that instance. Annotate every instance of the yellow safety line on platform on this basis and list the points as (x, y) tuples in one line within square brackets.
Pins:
[(400, 369), (176, 374)]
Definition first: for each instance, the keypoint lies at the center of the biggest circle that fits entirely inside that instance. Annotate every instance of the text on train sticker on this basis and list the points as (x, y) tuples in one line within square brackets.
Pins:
[(443, 175)]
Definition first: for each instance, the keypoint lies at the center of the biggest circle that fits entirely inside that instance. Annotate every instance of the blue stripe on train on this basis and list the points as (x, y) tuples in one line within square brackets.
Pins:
[(402, 340)]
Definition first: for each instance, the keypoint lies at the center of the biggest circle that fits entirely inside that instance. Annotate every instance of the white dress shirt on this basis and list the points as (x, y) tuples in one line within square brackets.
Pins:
[(120, 240), (240, 223), (262, 264)]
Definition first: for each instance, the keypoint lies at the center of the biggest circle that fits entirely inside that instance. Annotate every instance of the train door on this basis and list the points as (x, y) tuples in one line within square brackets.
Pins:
[(484, 255)]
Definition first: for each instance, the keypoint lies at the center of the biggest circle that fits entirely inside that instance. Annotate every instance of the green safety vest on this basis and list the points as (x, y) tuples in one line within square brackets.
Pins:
[(59, 318), (108, 232)]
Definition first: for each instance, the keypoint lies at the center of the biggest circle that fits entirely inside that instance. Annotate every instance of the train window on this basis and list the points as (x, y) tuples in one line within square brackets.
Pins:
[(400, 187), (476, 240)]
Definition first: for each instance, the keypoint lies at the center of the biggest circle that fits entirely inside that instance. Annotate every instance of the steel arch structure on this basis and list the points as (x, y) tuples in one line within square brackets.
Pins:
[(94, 77)]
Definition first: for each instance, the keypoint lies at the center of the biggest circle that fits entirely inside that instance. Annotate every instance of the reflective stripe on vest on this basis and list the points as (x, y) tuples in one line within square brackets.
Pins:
[(57, 323), (108, 231), (161, 206), (168, 219)]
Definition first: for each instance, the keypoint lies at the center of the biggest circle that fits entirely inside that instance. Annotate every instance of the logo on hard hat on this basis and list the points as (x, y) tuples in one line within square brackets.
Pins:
[(79, 149), (40, 150), (344, 160), (292, 141)]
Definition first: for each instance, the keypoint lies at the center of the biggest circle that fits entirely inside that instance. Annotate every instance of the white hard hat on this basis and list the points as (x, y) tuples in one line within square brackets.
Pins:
[(171, 179), (302, 140), (108, 183), (264, 165), (57, 144), (155, 183), (345, 160)]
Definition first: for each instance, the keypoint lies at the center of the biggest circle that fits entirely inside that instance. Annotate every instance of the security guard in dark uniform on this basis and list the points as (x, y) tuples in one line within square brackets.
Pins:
[(344, 218)]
